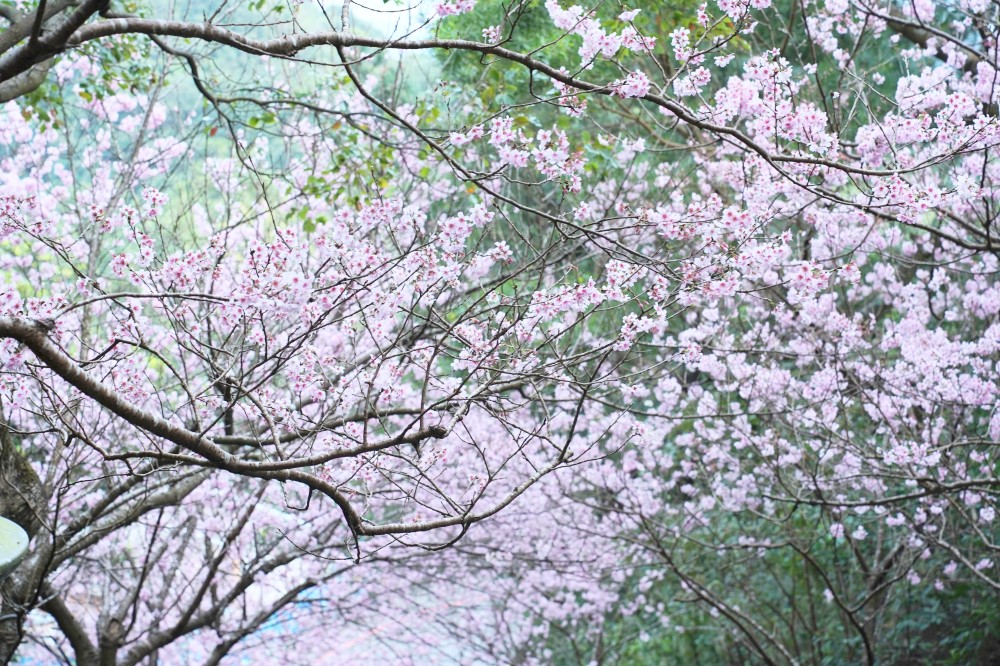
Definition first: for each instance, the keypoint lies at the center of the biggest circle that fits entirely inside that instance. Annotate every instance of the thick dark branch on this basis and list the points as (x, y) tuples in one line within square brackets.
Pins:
[(34, 335), (84, 649), (9, 14), (18, 59), (23, 24), (25, 82), (172, 495), (36, 28)]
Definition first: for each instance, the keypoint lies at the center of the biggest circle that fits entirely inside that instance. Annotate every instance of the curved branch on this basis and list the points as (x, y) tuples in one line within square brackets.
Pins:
[(34, 335), (289, 46)]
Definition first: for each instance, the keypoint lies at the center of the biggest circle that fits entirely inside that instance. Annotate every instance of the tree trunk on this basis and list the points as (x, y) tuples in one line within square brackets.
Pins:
[(10, 631)]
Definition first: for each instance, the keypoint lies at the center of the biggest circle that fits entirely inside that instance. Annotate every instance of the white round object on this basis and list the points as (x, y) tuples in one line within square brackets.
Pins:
[(13, 546)]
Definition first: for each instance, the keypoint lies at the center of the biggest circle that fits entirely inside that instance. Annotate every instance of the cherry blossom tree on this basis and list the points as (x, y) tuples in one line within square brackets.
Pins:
[(671, 322)]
